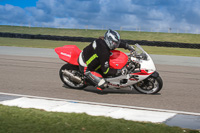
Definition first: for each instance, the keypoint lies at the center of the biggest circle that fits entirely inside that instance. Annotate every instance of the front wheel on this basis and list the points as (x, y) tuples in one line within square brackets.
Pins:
[(73, 71), (151, 85)]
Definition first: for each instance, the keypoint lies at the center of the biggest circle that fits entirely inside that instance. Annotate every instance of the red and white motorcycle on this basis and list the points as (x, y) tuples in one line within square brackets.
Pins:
[(140, 70)]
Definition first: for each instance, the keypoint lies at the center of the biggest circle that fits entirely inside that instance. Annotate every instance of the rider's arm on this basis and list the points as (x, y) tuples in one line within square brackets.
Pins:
[(126, 46), (104, 54)]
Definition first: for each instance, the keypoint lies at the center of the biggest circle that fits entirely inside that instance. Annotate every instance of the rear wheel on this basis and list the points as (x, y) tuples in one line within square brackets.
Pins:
[(67, 80), (151, 85)]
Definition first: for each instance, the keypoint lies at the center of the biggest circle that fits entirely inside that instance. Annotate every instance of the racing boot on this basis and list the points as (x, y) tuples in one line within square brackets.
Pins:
[(98, 82)]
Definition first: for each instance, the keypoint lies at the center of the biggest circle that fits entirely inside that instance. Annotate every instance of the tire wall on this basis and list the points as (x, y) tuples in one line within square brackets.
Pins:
[(86, 39)]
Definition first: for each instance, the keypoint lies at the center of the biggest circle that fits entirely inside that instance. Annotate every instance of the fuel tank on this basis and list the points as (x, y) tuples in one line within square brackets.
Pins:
[(70, 53), (118, 59)]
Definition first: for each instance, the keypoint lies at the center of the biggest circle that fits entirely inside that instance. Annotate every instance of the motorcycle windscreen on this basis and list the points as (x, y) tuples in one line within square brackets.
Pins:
[(118, 59), (69, 53)]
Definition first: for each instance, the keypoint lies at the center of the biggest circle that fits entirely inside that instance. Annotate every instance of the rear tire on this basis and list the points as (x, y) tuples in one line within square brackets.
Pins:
[(66, 80), (151, 85)]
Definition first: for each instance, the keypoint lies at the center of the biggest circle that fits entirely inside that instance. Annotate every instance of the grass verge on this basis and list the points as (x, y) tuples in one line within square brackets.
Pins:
[(36, 43), (18, 120), (130, 35)]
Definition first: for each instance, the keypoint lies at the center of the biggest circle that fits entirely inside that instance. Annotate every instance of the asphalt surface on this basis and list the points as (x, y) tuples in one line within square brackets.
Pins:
[(35, 72)]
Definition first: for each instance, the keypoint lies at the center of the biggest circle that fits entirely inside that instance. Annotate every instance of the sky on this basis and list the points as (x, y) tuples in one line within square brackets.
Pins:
[(140, 15)]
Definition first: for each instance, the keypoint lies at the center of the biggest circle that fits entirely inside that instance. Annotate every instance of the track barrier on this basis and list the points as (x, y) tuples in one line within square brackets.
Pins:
[(89, 39)]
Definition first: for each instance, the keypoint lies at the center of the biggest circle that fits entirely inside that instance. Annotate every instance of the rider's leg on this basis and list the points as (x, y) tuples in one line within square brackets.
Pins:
[(95, 80)]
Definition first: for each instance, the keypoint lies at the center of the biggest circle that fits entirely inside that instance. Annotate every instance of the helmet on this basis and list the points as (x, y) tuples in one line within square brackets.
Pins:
[(112, 39)]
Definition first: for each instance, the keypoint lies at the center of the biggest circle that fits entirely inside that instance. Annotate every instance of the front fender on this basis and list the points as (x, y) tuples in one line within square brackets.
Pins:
[(155, 74)]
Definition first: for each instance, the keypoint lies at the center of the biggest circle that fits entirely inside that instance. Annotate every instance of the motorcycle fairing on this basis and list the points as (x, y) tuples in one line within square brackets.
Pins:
[(69, 53), (118, 59), (142, 72), (115, 82)]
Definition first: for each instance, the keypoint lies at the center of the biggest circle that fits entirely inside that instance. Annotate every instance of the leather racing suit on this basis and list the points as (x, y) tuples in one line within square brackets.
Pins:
[(96, 58)]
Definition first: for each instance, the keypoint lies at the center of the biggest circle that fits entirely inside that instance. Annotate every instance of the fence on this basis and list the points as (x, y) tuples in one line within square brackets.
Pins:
[(121, 28), (84, 39)]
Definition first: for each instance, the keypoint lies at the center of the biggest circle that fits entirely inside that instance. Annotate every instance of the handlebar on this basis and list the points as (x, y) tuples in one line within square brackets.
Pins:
[(138, 56)]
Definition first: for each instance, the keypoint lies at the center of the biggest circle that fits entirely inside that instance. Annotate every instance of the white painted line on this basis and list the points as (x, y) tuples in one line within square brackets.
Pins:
[(25, 102), (95, 110), (104, 104)]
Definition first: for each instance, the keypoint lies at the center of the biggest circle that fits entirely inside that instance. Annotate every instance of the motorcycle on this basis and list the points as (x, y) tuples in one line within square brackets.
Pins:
[(141, 73)]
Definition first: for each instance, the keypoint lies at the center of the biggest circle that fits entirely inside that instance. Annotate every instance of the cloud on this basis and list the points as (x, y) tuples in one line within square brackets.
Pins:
[(129, 14), (12, 14), (39, 15)]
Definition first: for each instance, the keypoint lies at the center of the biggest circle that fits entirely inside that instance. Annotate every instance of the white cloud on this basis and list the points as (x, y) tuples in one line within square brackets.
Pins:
[(12, 14), (62, 23), (129, 14)]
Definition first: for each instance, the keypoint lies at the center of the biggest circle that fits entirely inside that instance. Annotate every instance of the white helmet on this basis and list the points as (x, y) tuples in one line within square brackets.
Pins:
[(112, 39)]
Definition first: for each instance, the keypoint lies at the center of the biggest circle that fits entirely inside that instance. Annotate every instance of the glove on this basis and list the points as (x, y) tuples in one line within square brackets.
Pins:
[(130, 48)]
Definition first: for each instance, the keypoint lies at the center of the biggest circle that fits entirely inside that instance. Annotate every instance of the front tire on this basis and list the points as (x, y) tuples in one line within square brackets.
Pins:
[(67, 80), (151, 85)]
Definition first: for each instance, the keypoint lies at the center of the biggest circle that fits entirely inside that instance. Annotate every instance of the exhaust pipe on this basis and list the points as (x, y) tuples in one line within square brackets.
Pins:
[(72, 77)]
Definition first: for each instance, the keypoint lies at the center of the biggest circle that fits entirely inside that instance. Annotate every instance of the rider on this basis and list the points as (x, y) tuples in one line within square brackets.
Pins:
[(95, 57)]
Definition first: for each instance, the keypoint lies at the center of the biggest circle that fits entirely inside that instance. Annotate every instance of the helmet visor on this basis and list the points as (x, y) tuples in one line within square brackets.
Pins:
[(115, 44)]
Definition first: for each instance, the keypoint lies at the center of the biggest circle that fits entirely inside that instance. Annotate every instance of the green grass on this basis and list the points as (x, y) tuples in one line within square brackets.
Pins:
[(18, 120), (130, 35), (186, 38), (35, 43)]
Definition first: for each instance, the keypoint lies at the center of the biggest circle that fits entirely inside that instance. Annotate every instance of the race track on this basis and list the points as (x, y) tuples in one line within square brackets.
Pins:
[(38, 76)]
